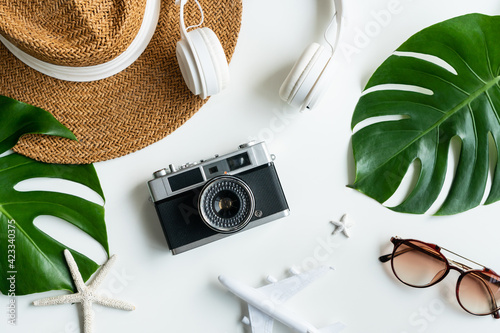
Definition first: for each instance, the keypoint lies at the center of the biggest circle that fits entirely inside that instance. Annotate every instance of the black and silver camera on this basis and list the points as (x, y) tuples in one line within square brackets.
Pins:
[(201, 202)]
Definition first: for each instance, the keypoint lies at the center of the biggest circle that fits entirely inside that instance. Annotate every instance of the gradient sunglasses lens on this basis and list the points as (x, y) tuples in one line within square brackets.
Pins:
[(479, 292), (417, 264)]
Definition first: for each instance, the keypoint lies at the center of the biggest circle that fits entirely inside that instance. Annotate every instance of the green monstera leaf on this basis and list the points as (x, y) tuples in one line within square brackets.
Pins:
[(30, 260), (443, 84)]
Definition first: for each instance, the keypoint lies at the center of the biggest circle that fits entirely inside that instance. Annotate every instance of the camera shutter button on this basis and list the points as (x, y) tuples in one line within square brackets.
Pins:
[(160, 173), (246, 145)]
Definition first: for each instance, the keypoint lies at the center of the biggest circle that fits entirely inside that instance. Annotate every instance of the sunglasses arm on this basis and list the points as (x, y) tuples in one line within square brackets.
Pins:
[(385, 258)]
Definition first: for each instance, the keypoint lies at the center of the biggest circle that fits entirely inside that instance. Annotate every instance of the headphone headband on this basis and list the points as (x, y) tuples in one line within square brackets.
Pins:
[(311, 74), (334, 22), (184, 30)]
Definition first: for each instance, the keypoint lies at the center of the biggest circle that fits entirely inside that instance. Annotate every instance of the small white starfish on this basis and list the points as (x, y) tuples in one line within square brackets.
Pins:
[(342, 226), (86, 295)]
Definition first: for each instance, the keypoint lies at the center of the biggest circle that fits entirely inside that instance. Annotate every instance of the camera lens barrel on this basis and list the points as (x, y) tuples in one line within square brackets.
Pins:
[(226, 204)]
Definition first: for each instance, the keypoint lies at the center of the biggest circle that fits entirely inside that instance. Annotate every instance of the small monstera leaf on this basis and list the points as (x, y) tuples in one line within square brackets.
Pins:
[(443, 84), (30, 260)]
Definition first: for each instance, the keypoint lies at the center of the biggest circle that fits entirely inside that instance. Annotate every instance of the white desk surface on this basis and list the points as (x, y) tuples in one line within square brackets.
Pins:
[(314, 161)]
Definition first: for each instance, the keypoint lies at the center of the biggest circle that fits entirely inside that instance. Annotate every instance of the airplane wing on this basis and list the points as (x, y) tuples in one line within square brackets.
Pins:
[(278, 293), (282, 290), (260, 322)]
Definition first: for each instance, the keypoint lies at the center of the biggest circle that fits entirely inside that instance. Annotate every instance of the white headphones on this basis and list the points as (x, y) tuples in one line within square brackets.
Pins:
[(201, 58), (311, 75)]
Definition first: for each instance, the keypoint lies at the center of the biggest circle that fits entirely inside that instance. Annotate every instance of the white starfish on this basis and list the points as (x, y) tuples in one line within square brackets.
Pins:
[(86, 295), (342, 226)]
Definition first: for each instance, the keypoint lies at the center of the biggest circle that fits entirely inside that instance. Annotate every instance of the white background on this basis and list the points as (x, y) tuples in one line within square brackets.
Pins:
[(314, 161)]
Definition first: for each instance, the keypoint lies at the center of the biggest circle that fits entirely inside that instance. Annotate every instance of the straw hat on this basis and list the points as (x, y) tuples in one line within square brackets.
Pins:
[(119, 114)]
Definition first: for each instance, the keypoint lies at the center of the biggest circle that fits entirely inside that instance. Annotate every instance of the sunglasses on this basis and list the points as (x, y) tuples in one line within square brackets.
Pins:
[(420, 265)]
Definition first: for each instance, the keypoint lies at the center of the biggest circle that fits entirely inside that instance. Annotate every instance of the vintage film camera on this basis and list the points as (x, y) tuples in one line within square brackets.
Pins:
[(205, 201)]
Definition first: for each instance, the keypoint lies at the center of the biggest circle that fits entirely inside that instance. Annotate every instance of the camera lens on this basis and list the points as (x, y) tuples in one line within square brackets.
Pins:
[(226, 204)]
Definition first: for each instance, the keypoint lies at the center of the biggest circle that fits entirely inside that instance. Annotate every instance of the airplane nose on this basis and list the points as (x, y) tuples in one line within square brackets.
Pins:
[(230, 284), (223, 279)]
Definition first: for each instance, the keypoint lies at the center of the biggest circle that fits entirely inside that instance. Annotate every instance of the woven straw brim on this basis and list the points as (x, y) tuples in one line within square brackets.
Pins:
[(71, 33), (128, 111)]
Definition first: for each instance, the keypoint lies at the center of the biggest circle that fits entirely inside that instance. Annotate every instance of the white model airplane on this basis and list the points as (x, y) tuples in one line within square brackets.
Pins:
[(265, 304)]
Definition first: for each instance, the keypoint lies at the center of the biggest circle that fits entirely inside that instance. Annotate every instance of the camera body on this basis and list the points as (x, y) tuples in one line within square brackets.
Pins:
[(201, 202)]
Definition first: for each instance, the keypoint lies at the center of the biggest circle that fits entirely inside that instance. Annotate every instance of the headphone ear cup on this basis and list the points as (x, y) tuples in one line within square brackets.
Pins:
[(304, 74), (218, 57), (203, 62), (189, 68)]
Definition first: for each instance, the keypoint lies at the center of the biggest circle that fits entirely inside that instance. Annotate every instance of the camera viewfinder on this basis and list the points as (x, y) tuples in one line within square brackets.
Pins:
[(238, 161)]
